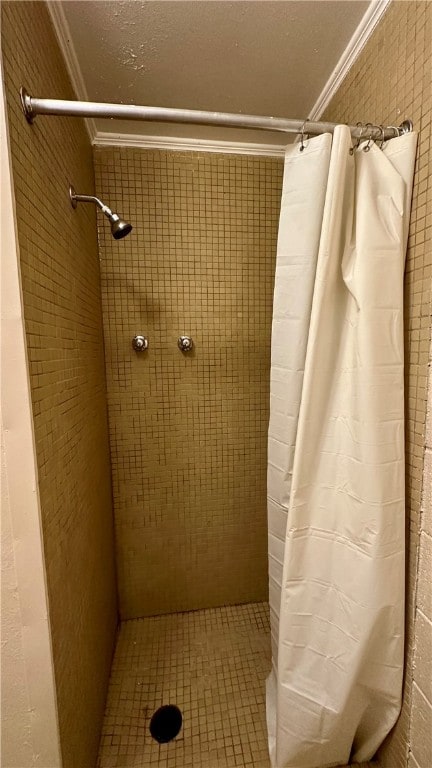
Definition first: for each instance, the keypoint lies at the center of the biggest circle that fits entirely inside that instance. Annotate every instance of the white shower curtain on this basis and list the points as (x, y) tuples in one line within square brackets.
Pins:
[(336, 451)]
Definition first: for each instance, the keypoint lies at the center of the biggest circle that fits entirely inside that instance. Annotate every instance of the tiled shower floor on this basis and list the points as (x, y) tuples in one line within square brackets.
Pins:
[(213, 665)]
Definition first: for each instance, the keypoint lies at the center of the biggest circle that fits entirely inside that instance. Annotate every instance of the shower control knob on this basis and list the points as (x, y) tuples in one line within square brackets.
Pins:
[(185, 343), (140, 343)]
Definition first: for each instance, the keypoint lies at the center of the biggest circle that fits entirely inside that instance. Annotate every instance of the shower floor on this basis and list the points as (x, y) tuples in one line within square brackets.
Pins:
[(213, 665)]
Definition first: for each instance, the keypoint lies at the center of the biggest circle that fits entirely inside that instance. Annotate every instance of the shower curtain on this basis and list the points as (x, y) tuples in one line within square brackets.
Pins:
[(336, 451)]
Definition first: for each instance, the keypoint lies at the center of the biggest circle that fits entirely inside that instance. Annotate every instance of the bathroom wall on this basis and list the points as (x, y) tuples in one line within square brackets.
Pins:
[(421, 715), (189, 432), (391, 80), (29, 726), (62, 310)]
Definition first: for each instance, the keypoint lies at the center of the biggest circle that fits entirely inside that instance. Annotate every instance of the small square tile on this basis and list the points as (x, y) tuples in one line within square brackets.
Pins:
[(213, 665)]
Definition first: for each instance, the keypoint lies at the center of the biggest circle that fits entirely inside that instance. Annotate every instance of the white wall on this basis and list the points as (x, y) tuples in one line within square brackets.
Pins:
[(29, 728), (420, 747)]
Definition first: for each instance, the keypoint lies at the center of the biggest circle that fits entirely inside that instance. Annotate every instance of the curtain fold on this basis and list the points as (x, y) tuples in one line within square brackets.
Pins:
[(336, 452)]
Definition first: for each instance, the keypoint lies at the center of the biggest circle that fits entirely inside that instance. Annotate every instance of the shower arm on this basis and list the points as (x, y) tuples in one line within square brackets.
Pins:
[(32, 106), (75, 199)]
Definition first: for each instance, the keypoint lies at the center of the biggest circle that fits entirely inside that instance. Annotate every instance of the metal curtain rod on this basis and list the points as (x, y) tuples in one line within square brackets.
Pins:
[(32, 107)]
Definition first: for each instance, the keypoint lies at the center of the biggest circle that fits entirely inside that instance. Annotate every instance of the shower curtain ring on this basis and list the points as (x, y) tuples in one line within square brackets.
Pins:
[(382, 140), (302, 132), (396, 130), (370, 138), (354, 149)]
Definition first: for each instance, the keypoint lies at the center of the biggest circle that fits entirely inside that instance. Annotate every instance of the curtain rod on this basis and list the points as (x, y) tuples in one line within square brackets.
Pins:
[(33, 106)]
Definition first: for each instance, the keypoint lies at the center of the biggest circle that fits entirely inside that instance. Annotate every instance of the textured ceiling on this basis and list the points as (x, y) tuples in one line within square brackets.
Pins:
[(260, 57)]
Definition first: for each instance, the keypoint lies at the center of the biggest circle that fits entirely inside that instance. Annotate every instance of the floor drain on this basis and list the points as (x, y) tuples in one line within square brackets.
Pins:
[(166, 723)]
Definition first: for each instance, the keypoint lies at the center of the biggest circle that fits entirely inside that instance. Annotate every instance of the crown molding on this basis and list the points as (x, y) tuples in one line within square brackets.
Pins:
[(64, 38), (357, 42), (174, 144), (359, 39)]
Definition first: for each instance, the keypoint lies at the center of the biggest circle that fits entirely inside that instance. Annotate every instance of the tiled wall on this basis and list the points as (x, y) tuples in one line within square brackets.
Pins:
[(62, 307), (391, 80), (189, 432)]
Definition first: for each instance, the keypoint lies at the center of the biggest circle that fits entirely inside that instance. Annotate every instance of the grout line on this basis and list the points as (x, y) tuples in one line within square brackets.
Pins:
[(423, 615), (429, 703)]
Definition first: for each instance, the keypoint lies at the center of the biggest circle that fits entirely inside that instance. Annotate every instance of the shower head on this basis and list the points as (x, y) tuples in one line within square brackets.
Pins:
[(119, 227)]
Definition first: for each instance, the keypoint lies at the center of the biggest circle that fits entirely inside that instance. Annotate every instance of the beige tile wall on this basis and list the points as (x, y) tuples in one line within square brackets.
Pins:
[(391, 80), (189, 433), (62, 308)]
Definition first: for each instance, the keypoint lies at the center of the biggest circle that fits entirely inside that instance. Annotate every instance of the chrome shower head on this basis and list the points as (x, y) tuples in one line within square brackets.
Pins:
[(119, 227)]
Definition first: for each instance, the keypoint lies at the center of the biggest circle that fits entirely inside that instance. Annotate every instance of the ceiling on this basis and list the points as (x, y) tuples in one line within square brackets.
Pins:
[(259, 57)]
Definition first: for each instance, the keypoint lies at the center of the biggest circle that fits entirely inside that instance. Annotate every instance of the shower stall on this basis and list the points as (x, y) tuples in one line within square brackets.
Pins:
[(188, 448), (229, 291)]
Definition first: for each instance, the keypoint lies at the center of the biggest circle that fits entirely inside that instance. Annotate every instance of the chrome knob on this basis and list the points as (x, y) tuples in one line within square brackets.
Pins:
[(140, 343), (185, 343)]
